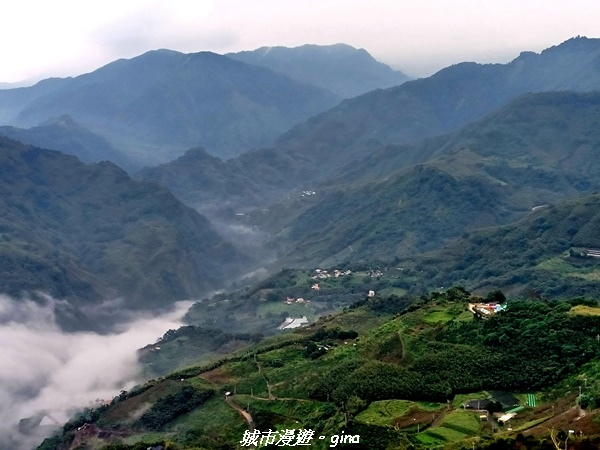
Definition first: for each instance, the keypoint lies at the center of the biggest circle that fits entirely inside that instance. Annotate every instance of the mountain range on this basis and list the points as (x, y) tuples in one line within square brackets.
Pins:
[(349, 184), (481, 175), (153, 107), (539, 149), (158, 104), (88, 233), (386, 124), (348, 192)]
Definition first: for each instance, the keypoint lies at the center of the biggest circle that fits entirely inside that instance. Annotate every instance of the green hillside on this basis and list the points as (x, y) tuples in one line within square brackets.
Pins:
[(211, 184), (159, 104), (543, 254), (87, 233), (540, 149), (403, 382)]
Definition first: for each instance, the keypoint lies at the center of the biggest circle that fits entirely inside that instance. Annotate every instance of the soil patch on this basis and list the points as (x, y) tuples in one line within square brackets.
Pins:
[(218, 376), (416, 416)]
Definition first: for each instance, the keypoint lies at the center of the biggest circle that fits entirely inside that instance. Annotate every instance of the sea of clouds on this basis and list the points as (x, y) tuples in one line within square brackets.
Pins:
[(45, 369)]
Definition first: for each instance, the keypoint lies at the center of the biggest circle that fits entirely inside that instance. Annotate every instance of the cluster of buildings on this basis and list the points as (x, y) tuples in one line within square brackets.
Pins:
[(290, 300), (486, 309), (377, 273), (321, 274)]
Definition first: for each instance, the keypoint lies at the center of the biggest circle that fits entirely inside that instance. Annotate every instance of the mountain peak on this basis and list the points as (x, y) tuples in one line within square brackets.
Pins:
[(63, 121), (574, 44), (197, 154), (339, 68)]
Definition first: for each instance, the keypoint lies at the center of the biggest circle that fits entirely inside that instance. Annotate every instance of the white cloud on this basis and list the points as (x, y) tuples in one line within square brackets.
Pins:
[(45, 369)]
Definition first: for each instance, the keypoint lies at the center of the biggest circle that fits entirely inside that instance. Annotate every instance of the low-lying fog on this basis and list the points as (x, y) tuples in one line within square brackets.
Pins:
[(44, 369)]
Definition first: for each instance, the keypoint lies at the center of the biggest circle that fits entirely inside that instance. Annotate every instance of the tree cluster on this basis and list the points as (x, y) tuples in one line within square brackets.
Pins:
[(172, 406)]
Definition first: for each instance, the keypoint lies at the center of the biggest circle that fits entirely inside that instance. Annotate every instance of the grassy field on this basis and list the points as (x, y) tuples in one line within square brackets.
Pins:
[(440, 316), (383, 340), (247, 378), (212, 424), (360, 320), (384, 411), (429, 406), (561, 266), (455, 426), (585, 310)]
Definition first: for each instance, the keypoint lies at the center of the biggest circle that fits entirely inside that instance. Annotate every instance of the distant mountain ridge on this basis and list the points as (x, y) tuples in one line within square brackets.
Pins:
[(66, 135), (339, 68), (163, 102), (379, 128), (439, 104)]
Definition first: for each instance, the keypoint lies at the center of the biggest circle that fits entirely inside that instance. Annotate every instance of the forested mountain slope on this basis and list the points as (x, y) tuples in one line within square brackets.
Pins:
[(390, 372), (545, 253), (88, 233), (163, 102), (539, 149), (441, 103), (65, 135)]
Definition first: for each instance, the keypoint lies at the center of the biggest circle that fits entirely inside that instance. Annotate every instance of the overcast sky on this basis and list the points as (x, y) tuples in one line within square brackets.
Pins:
[(68, 37)]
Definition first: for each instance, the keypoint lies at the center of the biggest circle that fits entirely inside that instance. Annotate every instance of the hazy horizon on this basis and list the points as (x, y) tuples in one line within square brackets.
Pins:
[(418, 38)]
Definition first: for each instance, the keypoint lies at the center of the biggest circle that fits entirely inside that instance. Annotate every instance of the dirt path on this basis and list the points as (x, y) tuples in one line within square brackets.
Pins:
[(402, 346), (280, 398), (245, 414), (271, 396)]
